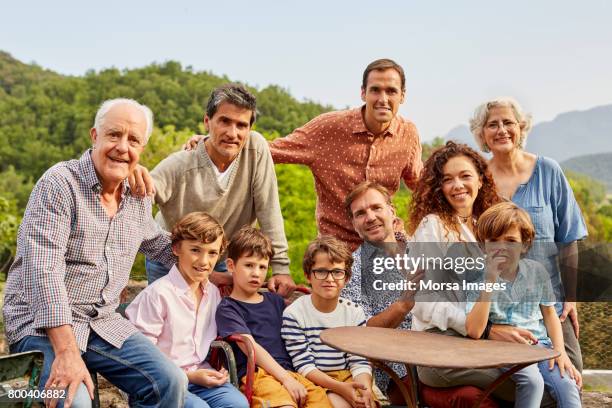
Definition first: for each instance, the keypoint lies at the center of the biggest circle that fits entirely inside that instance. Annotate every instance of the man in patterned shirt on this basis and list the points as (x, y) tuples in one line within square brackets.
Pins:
[(344, 148), (76, 245), (370, 210)]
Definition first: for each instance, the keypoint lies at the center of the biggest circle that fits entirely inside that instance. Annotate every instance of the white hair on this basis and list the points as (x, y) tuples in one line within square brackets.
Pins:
[(108, 104), (481, 114)]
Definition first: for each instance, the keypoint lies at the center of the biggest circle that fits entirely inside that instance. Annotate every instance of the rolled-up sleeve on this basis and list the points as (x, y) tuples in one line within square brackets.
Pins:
[(567, 216), (45, 230), (411, 173), (297, 147)]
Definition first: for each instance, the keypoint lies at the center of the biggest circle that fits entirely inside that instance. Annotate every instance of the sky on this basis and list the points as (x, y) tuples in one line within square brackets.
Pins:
[(553, 56)]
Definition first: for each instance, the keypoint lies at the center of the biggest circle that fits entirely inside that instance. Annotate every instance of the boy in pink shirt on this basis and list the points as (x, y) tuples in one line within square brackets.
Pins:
[(177, 312)]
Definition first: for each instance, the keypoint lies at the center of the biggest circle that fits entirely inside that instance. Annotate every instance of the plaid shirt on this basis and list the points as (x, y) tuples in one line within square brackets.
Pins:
[(73, 260), (519, 304)]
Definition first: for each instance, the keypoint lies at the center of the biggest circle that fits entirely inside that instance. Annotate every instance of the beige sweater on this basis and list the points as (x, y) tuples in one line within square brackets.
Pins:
[(186, 182)]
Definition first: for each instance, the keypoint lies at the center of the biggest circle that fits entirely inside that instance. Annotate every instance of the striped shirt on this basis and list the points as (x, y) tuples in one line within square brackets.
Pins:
[(73, 260), (302, 326)]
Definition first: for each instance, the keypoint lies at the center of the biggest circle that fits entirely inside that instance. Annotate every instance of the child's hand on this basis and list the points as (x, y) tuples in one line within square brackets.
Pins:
[(494, 266), (296, 390), (357, 394), (208, 378), (565, 364)]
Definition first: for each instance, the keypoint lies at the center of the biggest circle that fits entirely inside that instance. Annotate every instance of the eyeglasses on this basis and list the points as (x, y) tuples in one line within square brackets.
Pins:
[(322, 274), (506, 124)]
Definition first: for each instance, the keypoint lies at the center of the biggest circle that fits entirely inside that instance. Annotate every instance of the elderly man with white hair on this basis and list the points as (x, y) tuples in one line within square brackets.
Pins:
[(76, 245)]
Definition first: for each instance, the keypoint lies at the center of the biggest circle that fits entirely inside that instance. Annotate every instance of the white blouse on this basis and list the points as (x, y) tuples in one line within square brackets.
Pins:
[(442, 315)]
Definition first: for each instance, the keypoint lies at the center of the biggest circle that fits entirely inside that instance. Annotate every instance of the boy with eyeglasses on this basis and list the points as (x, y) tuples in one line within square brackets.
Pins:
[(348, 378)]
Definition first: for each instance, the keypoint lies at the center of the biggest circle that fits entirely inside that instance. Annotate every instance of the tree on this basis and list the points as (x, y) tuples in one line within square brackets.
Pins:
[(9, 223)]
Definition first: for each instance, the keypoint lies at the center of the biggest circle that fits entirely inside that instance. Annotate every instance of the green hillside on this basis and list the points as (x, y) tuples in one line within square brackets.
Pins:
[(45, 118), (596, 166)]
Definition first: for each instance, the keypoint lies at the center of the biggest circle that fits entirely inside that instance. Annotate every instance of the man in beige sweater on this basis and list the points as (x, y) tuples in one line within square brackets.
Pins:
[(230, 175)]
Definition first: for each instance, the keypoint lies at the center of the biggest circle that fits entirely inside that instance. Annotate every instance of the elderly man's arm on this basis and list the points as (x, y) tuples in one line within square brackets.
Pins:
[(42, 244), (156, 244)]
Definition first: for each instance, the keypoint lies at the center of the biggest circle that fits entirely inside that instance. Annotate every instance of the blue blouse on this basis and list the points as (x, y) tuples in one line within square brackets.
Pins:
[(556, 216)]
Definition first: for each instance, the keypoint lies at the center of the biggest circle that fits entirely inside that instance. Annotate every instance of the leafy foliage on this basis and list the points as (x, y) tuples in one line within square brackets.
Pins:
[(9, 222), (45, 118)]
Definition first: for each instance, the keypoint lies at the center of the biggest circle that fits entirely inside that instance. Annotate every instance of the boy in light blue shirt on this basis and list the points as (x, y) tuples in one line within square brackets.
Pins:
[(527, 302)]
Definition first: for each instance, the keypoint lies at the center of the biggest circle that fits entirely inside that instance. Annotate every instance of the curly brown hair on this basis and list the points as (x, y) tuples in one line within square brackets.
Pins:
[(428, 198)]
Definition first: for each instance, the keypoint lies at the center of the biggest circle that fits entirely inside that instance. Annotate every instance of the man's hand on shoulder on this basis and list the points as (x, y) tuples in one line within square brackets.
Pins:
[(281, 284), (192, 143), (221, 279), (141, 182)]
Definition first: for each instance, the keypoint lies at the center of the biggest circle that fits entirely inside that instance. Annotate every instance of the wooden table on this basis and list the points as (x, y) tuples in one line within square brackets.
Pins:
[(432, 350)]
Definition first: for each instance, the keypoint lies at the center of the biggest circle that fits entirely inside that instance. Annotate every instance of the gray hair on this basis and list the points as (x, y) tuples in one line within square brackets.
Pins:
[(235, 94), (481, 114), (108, 104)]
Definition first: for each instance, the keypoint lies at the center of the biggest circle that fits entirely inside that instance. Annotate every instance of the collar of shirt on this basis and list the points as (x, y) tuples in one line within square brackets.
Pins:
[(91, 177), (369, 250), (359, 125), (181, 285)]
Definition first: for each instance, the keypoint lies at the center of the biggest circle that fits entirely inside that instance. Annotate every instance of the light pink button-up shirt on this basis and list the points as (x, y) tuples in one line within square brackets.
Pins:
[(166, 313)]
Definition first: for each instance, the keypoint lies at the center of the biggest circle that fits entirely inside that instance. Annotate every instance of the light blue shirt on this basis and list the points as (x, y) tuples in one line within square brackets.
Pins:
[(548, 198), (519, 304)]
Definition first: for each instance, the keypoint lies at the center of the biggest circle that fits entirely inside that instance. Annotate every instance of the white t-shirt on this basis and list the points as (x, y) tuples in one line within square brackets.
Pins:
[(223, 178)]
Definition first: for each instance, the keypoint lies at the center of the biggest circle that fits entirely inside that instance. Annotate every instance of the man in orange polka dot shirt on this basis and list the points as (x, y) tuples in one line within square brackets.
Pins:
[(345, 148)]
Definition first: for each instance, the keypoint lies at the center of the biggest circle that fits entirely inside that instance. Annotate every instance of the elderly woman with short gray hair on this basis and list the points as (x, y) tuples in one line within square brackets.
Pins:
[(538, 185)]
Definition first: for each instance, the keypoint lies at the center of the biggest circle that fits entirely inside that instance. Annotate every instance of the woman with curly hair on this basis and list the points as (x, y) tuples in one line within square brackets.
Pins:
[(455, 188)]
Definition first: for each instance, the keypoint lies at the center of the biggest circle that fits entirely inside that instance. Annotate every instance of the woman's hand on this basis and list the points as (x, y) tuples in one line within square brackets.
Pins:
[(565, 365)]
